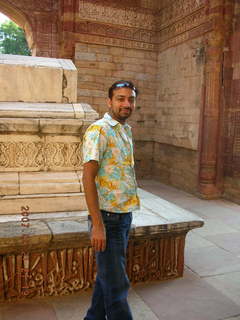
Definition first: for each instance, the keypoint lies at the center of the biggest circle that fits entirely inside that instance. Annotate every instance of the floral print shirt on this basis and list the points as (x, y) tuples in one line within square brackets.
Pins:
[(110, 143)]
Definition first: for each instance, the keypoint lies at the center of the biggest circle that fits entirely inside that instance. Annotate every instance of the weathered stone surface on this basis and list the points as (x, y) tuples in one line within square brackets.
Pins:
[(49, 182), (18, 124), (63, 126), (180, 76), (9, 183), (43, 203), (35, 79), (36, 110), (15, 237)]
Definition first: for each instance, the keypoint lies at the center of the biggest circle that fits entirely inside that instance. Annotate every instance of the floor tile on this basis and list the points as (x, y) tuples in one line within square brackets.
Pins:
[(229, 241), (194, 240), (27, 310), (183, 299), (140, 309), (213, 227), (72, 307), (211, 261), (229, 284)]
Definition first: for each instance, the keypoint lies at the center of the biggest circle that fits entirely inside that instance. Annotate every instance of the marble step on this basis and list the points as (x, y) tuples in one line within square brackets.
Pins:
[(43, 203)]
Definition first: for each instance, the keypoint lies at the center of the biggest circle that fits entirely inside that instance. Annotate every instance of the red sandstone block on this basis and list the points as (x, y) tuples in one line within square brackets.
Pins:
[(235, 47), (104, 57), (92, 71), (235, 94), (87, 64), (98, 48), (107, 65)]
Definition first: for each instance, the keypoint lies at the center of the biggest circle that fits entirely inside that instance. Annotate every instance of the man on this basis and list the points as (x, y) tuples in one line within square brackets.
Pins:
[(111, 195)]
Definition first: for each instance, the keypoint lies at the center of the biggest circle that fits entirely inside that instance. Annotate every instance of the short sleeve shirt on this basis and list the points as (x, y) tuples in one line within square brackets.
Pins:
[(110, 143)]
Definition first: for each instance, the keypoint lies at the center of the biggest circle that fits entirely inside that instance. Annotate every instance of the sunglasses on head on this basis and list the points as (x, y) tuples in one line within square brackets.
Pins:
[(124, 84)]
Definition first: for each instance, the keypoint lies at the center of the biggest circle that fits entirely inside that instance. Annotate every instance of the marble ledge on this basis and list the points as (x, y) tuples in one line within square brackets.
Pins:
[(69, 231), (45, 118)]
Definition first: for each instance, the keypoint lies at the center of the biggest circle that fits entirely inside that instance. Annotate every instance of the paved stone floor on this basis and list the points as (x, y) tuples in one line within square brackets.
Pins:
[(209, 289)]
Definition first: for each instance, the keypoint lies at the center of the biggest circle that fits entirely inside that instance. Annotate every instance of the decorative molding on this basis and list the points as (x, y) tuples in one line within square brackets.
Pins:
[(114, 42), (115, 31), (64, 271), (177, 10), (40, 155), (188, 23), (124, 16), (188, 35)]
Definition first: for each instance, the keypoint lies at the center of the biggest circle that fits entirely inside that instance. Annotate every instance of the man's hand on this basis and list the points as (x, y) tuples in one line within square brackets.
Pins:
[(98, 237)]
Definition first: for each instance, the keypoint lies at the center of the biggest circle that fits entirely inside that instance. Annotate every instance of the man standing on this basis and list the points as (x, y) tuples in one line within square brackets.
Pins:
[(111, 195)]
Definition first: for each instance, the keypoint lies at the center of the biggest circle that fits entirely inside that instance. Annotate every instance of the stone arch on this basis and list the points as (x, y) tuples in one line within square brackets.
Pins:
[(20, 19)]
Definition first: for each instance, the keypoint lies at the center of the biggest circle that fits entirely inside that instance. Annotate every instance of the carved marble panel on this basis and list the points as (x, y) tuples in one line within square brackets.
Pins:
[(38, 155)]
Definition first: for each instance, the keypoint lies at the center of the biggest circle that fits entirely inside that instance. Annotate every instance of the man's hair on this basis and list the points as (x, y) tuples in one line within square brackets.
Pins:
[(121, 84)]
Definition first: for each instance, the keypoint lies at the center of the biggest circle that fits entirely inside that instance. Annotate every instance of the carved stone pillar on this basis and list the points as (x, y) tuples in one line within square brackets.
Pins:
[(210, 162)]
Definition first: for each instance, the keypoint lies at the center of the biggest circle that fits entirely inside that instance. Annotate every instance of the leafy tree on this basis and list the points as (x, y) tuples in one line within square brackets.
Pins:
[(12, 39)]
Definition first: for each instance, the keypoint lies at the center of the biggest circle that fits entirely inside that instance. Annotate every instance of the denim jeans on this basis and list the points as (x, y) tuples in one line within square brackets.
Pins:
[(109, 300)]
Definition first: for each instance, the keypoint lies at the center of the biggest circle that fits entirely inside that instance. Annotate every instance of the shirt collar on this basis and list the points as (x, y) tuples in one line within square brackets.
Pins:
[(114, 122)]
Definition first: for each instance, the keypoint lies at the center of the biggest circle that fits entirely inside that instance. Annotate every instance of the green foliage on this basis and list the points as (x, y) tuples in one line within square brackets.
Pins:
[(12, 39)]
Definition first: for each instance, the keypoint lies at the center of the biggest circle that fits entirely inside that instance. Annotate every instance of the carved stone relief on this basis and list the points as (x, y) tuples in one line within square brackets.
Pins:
[(115, 42), (114, 31), (178, 9), (183, 25), (58, 155), (65, 271), (124, 16)]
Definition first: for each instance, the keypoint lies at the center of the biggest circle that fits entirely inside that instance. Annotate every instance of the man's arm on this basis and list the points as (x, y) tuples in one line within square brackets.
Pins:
[(98, 237)]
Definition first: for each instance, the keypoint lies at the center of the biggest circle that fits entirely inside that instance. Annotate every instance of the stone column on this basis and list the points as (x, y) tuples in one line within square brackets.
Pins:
[(210, 160)]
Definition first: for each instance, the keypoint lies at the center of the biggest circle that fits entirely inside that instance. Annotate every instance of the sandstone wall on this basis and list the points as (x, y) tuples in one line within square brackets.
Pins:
[(231, 94), (179, 97)]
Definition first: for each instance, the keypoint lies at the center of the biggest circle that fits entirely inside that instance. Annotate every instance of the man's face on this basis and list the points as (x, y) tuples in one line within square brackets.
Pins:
[(122, 104)]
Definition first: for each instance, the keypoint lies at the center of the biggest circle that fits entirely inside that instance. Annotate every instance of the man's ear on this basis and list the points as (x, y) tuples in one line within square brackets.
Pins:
[(109, 102)]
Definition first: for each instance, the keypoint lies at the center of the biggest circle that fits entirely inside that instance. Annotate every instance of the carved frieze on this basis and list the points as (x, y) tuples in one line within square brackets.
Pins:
[(40, 155), (65, 271), (189, 34), (125, 16), (176, 10), (115, 42), (115, 31), (183, 25)]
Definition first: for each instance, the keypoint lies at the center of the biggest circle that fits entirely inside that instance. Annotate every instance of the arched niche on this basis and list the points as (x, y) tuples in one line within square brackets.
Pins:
[(20, 19)]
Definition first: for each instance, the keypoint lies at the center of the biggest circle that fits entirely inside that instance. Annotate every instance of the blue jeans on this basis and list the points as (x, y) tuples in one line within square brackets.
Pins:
[(109, 300)]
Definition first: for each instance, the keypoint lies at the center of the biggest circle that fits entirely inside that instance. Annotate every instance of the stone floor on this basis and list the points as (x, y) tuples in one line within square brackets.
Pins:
[(209, 289)]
